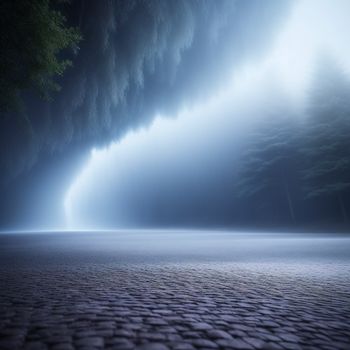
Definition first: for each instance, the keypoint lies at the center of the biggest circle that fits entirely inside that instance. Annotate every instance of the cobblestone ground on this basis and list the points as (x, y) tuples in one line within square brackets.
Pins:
[(186, 305)]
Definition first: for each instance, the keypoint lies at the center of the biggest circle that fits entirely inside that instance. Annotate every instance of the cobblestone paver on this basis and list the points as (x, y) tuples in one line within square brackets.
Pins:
[(180, 306)]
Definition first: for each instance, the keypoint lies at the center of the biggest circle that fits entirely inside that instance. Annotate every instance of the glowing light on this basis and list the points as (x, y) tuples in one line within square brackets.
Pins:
[(314, 26)]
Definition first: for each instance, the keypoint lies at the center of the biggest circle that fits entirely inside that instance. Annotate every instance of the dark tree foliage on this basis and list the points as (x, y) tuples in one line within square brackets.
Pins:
[(304, 171), (33, 34), (269, 176), (327, 142)]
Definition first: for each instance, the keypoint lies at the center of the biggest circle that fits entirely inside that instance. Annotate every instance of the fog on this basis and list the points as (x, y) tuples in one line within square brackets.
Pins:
[(185, 169), (168, 173), (137, 60), (300, 254), (227, 114)]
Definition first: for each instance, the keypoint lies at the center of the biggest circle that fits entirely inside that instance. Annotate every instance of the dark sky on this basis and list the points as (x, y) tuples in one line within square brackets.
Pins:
[(141, 61)]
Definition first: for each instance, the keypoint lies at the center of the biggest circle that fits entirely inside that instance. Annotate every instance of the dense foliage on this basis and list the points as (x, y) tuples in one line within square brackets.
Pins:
[(33, 34), (297, 172)]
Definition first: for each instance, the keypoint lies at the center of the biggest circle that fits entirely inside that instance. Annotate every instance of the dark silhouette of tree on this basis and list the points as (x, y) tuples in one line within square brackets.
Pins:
[(327, 136), (33, 35), (269, 172)]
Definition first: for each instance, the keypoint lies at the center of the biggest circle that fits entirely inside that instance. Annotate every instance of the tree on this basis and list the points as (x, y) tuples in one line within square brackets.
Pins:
[(269, 172), (327, 141), (33, 35)]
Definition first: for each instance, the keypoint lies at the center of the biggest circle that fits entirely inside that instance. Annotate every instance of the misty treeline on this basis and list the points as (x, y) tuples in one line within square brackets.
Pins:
[(296, 168)]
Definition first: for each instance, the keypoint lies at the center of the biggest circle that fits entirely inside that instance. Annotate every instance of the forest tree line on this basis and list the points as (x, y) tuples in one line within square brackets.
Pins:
[(296, 171)]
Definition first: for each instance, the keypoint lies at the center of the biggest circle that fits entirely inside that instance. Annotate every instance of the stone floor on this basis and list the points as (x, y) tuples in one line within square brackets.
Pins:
[(50, 302)]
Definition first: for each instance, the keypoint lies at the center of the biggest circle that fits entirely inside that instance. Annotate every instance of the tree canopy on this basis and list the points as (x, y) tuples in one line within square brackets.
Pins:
[(303, 167), (327, 142), (33, 35)]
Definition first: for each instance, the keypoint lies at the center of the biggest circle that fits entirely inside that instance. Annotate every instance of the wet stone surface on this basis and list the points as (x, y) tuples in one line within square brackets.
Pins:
[(180, 306)]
